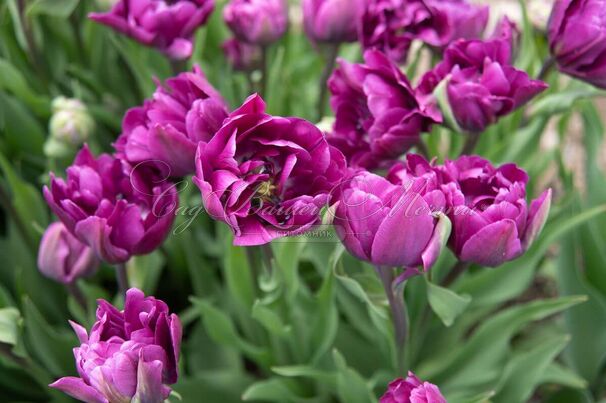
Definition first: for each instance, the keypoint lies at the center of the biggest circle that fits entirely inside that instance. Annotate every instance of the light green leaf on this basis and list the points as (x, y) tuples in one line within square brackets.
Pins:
[(271, 390), (13, 80), (560, 375), (562, 101), (9, 325), (351, 387), (55, 8), (447, 304), (269, 319)]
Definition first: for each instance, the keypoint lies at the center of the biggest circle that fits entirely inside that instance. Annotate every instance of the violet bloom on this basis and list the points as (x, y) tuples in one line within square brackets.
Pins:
[(258, 22), (64, 258), (169, 126), (492, 222), (116, 209), (482, 84), (331, 21), (412, 390), (577, 38), (378, 116), (242, 56), (129, 355), (395, 224), (392, 25), (266, 176), (167, 25)]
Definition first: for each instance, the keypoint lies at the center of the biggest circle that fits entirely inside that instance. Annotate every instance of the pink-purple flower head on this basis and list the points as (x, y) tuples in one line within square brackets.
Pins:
[(395, 223), (167, 25), (169, 126), (378, 115), (412, 390), (242, 56), (116, 209), (332, 21), (392, 25), (257, 22), (492, 222), (577, 38), (129, 355), (266, 175)]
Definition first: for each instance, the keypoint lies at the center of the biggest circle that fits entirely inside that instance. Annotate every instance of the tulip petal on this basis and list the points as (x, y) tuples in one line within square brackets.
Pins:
[(437, 242), (149, 382), (537, 216), (78, 389), (502, 236)]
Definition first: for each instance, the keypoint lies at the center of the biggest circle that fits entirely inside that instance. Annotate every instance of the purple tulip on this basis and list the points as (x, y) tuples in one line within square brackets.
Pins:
[(258, 22), (242, 56), (392, 25), (168, 127), (130, 355), (116, 209), (394, 224), (378, 116), (64, 258), (267, 177), (167, 25), (482, 84), (577, 38), (492, 223), (331, 21), (412, 390)]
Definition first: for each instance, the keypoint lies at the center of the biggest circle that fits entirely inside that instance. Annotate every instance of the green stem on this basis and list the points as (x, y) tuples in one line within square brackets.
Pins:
[(422, 149), (470, 143), (331, 60), (122, 278), (548, 65), (75, 291), (398, 314), (264, 70), (8, 206), (454, 273)]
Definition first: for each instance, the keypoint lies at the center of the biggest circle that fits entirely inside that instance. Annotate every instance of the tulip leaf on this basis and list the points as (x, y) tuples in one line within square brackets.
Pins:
[(447, 304), (441, 95), (55, 8), (269, 319), (351, 387), (13, 80), (271, 390), (558, 374), (562, 101), (9, 325)]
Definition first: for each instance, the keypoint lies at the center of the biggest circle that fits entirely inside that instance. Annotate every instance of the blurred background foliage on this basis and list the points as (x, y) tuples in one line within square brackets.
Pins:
[(317, 329)]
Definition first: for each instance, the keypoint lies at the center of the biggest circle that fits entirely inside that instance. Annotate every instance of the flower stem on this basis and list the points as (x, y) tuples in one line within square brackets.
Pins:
[(178, 66), (76, 292), (398, 313), (454, 273), (122, 278), (422, 149), (7, 204), (331, 60), (264, 70), (548, 65), (470, 143)]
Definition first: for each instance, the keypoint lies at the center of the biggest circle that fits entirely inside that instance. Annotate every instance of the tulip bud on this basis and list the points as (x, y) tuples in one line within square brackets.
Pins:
[(70, 126), (259, 22), (577, 38), (64, 258), (412, 389), (333, 21), (241, 55)]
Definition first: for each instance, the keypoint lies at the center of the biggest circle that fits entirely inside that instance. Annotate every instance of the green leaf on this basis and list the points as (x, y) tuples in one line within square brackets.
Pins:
[(562, 101), (441, 95), (560, 375), (55, 8), (144, 271), (12, 80), (271, 390), (351, 387), (9, 325), (523, 372), (270, 320), (305, 371), (23, 134), (447, 304)]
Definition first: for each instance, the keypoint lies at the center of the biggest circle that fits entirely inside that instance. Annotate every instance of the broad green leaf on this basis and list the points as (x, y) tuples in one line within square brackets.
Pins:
[(9, 325), (351, 387), (55, 8), (304, 371), (447, 304), (13, 80), (271, 390), (23, 134), (270, 320), (239, 275), (288, 254), (561, 102), (560, 375), (144, 271)]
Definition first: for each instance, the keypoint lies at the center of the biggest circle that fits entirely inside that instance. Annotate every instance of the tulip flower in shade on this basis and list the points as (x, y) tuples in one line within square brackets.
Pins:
[(481, 83), (412, 390), (577, 38), (258, 22), (331, 21), (64, 258), (392, 25), (166, 25), (168, 127), (393, 225), (378, 116), (129, 356), (492, 222), (116, 209), (242, 56), (265, 176)]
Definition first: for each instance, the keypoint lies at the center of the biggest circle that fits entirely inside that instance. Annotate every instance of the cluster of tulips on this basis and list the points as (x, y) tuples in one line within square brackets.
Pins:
[(268, 177)]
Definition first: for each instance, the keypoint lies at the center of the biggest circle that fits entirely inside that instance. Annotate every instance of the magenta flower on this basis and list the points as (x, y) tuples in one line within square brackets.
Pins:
[(258, 22), (332, 21), (392, 25), (412, 390), (167, 25), (116, 209), (130, 355), (64, 258), (242, 56), (482, 83), (398, 223), (168, 127), (492, 222), (265, 176), (378, 116), (577, 38)]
